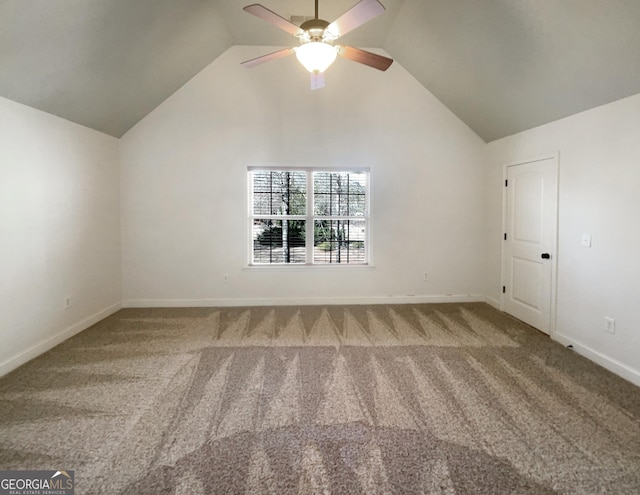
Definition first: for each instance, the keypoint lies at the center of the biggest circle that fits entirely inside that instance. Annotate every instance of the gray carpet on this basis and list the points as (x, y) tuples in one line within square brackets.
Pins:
[(434, 399)]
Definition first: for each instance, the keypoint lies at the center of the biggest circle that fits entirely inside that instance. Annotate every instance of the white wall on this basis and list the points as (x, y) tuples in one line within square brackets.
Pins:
[(59, 230), (183, 185), (599, 194)]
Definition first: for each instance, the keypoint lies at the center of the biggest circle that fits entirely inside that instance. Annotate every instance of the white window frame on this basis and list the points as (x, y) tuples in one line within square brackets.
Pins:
[(309, 218)]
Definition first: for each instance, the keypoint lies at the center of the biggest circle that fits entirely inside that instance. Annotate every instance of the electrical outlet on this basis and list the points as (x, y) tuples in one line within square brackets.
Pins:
[(67, 301), (426, 275), (225, 278), (609, 325)]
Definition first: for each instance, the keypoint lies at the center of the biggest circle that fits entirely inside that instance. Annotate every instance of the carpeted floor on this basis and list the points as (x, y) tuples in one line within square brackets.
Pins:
[(434, 399)]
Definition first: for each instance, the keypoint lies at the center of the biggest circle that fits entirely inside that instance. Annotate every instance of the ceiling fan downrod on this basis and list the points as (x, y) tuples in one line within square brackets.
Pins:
[(314, 28)]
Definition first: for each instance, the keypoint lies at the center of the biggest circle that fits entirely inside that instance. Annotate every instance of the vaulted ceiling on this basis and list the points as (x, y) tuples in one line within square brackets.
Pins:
[(502, 66)]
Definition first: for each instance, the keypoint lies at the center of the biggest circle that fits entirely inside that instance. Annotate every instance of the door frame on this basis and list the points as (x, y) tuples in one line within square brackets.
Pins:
[(554, 259)]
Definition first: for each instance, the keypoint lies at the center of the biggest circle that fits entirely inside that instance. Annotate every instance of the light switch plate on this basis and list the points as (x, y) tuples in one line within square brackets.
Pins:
[(586, 240)]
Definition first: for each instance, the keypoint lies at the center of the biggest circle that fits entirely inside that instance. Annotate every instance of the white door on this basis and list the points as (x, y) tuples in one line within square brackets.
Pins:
[(530, 241)]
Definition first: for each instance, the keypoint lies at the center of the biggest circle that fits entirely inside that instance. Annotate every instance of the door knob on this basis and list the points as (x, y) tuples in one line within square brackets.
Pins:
[(545, 256)]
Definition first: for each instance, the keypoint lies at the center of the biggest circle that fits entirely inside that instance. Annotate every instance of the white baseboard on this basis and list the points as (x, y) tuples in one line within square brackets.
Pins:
[(606, 362), (25, 356), (304, 301), (493, 302)]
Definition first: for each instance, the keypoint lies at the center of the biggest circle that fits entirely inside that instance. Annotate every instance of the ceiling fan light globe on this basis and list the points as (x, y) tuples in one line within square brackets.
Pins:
[(316, 56)]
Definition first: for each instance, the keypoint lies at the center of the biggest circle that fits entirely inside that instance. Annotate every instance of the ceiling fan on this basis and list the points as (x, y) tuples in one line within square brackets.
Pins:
[(316, 51)]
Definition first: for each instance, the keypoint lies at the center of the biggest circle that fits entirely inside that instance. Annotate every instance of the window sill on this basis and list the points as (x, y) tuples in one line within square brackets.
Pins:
[(310, 267)]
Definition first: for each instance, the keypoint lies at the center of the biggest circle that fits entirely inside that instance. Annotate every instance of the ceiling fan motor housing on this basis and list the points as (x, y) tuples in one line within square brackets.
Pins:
[(314, 29)]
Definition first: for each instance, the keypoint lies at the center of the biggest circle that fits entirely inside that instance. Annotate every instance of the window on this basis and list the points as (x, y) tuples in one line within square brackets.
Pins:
[(309, 217)]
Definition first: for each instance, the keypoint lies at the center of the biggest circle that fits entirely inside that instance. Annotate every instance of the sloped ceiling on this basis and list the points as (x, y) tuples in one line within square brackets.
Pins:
[(502, 66)]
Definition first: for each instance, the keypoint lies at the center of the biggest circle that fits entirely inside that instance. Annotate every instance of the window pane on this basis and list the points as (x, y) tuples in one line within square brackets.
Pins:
[(279, 241), (339, 241), (339, 193), (277, 192)]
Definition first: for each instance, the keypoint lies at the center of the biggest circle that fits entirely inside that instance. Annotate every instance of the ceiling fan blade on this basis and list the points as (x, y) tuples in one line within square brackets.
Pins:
[(317, 80), (364, 57), (266, 58), (363, 11), (269, 16)]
